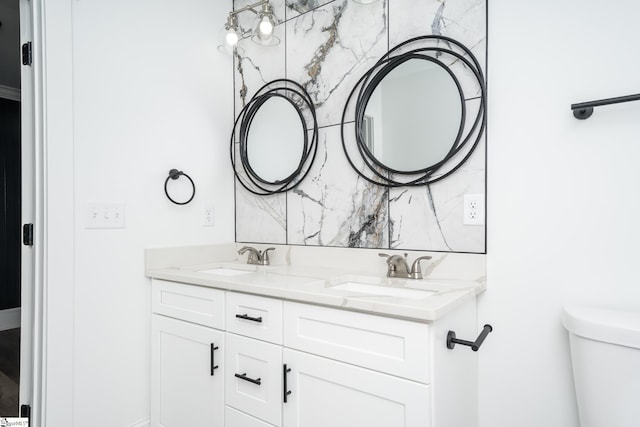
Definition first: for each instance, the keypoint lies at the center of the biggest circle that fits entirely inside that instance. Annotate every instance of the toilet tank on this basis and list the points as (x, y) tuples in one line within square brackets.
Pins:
[(605, 355)]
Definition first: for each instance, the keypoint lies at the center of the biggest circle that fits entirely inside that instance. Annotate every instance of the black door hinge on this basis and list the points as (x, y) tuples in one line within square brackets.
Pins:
[(27, 54), (25, 412), (27, 234)]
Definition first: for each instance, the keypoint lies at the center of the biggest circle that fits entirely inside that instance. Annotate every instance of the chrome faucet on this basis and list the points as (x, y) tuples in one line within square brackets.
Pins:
[(255, 256), (397, 266)]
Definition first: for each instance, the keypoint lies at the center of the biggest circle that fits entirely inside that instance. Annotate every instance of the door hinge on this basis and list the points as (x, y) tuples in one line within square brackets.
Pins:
[(27, 54), (27, 234), (25, 412)]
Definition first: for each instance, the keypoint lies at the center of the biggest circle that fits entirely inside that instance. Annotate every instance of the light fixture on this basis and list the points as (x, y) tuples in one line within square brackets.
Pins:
[(261, 32)]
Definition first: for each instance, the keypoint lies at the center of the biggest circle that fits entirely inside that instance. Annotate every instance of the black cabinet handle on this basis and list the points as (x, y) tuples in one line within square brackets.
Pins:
[(286, 392), (213, 363), (247, 317), (246, 378), (475, 345)]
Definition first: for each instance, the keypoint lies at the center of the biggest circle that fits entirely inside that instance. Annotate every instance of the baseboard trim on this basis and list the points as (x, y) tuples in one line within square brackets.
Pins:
[(9, 318), (11, 93), (146, 422)]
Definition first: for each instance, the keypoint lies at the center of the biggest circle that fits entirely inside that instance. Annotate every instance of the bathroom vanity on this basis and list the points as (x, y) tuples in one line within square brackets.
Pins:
[(304, 344)]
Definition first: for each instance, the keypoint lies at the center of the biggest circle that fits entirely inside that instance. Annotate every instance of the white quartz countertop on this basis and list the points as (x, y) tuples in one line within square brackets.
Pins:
[(420, 300)]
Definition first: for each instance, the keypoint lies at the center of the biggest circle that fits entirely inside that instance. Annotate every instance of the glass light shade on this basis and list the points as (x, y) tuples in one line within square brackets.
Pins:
[(229, 41), (365, 1), (263, 29)]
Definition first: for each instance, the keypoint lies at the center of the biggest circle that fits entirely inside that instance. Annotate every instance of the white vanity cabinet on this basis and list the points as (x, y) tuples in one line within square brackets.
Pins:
[(187, 361), (366, 391), (290, 364)]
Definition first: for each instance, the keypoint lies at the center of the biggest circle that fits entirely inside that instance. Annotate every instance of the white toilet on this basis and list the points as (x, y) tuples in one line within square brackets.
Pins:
[(605, 353)]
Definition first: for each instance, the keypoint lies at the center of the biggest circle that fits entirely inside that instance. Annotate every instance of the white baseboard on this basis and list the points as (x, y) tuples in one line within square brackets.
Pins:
[(11, 93), (9, 318), (142, 423)]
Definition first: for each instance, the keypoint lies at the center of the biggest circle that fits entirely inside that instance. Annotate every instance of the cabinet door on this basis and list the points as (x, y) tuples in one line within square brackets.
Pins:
[(329, 393), (254, 378), (186, 390)]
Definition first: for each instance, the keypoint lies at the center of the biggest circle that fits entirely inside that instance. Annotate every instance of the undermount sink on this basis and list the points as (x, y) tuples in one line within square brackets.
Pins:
[(224, 271), (382, 290)]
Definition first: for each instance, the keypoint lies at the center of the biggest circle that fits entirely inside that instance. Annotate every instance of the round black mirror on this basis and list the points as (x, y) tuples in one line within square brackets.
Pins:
[(411, 113), (274, 138)]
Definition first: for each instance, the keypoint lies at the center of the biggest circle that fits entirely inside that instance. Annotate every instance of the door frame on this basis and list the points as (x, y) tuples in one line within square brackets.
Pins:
[(50, 261), (28, 322)]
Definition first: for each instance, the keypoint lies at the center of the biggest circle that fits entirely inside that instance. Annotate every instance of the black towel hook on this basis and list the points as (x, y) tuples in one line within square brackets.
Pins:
[(475, 345), (175, 174)]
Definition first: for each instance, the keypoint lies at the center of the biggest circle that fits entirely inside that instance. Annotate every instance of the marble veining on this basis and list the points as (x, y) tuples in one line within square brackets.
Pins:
[(298, 7), (334, 206), (330, 47), (326, 47)]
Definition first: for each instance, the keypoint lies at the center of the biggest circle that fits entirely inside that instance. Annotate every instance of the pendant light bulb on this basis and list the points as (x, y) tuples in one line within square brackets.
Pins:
[(231, 38), (266, 26)]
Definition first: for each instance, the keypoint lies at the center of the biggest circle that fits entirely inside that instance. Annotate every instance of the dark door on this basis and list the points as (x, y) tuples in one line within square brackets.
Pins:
[(10, 202)]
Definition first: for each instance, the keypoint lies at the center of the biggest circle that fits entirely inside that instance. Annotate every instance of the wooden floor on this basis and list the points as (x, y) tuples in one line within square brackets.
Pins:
[(9, 372)]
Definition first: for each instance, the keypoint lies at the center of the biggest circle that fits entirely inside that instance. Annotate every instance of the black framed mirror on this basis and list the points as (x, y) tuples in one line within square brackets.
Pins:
[(417, 115), (274, 138)]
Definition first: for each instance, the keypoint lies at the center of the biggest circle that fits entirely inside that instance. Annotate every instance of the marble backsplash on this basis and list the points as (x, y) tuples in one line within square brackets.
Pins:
[(327, 47)]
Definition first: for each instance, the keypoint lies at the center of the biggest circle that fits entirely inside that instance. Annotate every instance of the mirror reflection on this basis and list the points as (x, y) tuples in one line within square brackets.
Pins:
[(413, 116), (275, 140)]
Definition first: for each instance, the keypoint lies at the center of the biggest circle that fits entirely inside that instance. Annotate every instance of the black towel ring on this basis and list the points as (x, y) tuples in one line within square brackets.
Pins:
[(175, 174)]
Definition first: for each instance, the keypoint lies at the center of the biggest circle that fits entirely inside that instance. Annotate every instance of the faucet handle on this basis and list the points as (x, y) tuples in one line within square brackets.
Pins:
[(416, 272), (264, 257)]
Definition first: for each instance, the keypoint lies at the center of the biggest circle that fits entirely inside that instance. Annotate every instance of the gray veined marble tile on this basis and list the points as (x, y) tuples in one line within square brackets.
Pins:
[(260, 219), (331, 47), (256, 65), (430, 217), (298, 7), (333, 206), (463, 20)]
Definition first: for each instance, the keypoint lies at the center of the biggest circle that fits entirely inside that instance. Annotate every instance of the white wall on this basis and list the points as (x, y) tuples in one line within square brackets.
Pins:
[(562, 195), (149, 93)]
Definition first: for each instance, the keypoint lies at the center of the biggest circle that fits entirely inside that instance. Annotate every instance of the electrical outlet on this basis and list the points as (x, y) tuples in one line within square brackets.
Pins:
[(473, 209), (208, 216), (104, 215)]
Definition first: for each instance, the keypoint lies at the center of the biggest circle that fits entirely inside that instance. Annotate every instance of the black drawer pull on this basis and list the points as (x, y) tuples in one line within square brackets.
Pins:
[(247, 317), (286, 392), (213, 363), (246, 378)]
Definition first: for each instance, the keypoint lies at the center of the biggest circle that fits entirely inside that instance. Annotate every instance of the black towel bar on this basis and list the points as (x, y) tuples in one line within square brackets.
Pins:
[(584, 110)]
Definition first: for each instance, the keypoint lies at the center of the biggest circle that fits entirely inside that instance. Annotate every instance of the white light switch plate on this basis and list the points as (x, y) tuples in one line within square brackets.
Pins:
[(104, 215), (208, 216)]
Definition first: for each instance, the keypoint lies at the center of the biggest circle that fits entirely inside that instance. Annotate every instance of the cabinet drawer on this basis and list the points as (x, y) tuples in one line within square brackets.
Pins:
[(196, 304), (253, 377), (254, 316), (394, 346), (235, 418)]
